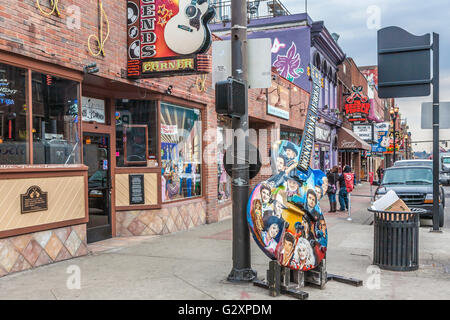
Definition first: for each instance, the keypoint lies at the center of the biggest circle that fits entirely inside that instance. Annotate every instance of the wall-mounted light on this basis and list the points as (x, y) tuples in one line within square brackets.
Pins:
[(90, 68), (169, 90), (262, 95)]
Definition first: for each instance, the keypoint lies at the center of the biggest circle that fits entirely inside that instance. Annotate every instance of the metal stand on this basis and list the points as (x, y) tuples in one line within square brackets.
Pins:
[(349, 218), (282, 280)]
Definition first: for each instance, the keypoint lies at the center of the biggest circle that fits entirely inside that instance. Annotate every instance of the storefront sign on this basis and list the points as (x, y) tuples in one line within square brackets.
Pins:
[(168, 37), (307, 144), (93, 109), (357, 106), (323, 133), (137, 195), (33, 200), (381, 135), (364, 132), (171, 130), (277, 112)]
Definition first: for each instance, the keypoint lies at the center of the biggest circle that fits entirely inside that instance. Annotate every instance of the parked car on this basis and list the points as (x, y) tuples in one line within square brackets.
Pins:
[(445, 168), (422, 162), (414, 185), (416, 162)]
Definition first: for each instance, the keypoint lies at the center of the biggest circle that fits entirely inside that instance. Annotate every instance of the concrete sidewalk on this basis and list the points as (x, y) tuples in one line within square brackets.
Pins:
[(194, 265)]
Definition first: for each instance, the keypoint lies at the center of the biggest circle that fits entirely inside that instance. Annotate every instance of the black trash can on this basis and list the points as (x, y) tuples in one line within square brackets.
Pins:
[(396, 240)]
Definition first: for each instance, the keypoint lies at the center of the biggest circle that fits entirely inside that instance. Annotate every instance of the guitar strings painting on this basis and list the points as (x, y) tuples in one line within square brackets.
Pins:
[(284, 214)]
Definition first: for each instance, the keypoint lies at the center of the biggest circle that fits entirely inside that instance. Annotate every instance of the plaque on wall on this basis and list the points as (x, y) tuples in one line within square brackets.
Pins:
[(137, 195), (33, 200)]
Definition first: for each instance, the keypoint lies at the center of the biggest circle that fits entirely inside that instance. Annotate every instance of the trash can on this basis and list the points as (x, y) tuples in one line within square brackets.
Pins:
[(396, 240)]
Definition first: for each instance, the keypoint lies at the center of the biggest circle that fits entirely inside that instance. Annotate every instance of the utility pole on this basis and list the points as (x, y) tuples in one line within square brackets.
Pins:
[(240, 176), (435, 48)]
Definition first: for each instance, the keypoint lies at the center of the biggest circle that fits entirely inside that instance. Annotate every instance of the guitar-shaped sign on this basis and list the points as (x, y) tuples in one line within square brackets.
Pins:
[(187, 32), (283, 212)]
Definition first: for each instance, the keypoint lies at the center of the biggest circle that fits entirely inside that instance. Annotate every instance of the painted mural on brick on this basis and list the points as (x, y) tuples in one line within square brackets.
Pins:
[(290, 53)]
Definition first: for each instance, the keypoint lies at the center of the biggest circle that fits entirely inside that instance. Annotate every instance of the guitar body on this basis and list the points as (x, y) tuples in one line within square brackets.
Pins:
[(283, 212), (190, 24)]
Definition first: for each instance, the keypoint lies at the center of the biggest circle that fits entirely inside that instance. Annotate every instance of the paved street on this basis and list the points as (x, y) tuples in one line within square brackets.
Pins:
[(194, 265)]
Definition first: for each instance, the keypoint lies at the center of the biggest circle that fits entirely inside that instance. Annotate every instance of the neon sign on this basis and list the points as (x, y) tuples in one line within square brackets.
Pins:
[(357, 106), (168, 37)]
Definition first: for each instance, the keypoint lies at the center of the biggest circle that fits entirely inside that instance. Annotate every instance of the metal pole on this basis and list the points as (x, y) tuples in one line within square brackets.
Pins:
[(395, 120), (435, 132), (241, 237), (349, 218)]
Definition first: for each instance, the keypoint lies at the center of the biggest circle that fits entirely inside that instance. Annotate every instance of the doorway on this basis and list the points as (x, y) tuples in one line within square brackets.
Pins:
[(97, 156)]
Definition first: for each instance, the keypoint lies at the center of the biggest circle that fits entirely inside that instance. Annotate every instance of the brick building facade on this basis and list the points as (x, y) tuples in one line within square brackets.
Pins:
[(95, 189)]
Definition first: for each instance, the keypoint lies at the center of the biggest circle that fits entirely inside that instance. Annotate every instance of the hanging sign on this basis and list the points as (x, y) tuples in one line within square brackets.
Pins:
[(171, 130), (93, 109), (357, 106), (168, 37)]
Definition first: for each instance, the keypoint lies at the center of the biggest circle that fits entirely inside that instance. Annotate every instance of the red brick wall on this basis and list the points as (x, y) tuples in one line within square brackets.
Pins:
[(28, 33)]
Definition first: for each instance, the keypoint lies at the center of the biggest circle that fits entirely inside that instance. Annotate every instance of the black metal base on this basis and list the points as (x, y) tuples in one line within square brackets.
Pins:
[(282, 280), (242, 275), (289, 291), (350, 281)]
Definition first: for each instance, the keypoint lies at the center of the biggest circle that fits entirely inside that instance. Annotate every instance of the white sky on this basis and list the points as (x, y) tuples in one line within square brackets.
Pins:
[(357, 23)]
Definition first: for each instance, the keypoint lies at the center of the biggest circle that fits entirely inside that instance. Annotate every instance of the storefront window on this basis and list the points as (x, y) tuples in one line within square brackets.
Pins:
[(181, 152), (223, 179), (55, 120), (293, 137), (136, 133), (13, 115)]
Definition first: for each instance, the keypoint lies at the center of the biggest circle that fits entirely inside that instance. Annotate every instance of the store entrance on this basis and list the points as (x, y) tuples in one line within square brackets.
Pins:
[(97, 156)]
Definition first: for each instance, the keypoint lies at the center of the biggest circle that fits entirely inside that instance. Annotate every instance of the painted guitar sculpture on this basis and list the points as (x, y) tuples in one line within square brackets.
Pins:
[(190, 22), (283, 212)]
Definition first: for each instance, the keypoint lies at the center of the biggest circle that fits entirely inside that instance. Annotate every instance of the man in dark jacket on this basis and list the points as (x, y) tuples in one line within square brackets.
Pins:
[(343, 194)]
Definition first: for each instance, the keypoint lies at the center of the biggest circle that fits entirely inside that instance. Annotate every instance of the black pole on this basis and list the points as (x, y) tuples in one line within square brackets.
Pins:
[(435, 132), (241, 236), (395, 120)]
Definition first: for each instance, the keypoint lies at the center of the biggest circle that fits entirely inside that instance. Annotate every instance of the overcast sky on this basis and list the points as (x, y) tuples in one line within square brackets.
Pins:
[(357, 22)]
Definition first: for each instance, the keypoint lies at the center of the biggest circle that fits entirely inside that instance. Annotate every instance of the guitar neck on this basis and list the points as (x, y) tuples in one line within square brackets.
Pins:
[(307, 144)]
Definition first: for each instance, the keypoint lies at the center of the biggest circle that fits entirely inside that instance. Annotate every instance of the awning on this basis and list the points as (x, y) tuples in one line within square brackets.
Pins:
[(348, 140)]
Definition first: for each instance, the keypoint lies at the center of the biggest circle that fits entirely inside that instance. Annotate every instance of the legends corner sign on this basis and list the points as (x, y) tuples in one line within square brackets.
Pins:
[(357, 106), (168, 37)]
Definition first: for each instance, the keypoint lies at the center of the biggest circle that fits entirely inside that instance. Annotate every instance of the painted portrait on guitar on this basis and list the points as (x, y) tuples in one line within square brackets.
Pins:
[(284, 212)]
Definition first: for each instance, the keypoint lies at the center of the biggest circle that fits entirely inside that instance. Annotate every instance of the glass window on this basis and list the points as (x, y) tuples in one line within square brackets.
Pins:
[(223, 179), (136, 133), (408, 176), (181, 152), (293, 137), (13, 115), (56, 138)]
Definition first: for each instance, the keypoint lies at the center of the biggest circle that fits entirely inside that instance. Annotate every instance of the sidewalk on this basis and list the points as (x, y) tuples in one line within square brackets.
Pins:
[(194, 265)]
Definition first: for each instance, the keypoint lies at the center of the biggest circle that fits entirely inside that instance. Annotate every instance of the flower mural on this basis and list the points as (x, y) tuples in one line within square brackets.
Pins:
[(288, 66)]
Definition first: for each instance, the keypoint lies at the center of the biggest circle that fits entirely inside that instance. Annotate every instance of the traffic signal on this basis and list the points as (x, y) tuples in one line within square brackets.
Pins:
[(230, 98)]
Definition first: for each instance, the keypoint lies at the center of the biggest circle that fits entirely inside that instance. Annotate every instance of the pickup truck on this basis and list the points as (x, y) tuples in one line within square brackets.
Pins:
[(414, 185)]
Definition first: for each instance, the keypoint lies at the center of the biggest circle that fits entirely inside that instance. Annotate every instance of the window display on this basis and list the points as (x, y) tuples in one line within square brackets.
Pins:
[(181, 152), (13, 115), (56, 138), (136, 133)]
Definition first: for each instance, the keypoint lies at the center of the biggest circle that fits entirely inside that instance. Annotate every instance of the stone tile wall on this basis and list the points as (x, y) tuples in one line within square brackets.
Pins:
[(32, 250), (171, 218)]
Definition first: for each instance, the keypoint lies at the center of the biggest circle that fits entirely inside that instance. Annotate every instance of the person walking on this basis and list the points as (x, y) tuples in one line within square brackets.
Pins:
[(332, 177), (380, 172), (343, 194)]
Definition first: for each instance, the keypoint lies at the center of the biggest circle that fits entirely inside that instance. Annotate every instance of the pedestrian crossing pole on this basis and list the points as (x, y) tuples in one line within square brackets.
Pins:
[(242, 270)]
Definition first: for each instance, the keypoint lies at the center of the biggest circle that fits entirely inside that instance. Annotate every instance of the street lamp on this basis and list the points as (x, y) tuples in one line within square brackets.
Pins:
[(394, 115)]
